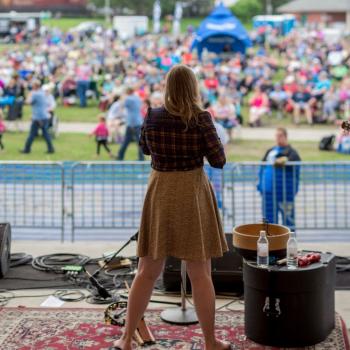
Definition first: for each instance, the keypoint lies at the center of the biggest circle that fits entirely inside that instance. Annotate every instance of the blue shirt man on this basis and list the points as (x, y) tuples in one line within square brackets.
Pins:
[(40, 105), (134, 122), (40, 118), (278, 182), (133, 110)]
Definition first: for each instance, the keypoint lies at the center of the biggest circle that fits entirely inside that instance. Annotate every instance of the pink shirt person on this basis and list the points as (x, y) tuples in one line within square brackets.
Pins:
[(2, 127), (101, 131)]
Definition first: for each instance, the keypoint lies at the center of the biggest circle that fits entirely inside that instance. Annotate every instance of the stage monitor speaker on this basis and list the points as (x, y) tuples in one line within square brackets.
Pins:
[(226, 272), (5, 248)]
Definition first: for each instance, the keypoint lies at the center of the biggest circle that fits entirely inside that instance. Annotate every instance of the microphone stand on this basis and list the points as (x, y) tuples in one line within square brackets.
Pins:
[(102, 292), (181, 315), (107, 261)]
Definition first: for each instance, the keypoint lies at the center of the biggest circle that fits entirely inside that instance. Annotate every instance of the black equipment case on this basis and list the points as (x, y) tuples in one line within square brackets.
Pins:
[(289, 308), (227, 272)]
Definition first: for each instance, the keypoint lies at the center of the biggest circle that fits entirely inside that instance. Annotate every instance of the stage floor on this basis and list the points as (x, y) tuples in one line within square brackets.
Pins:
[(97, 248)]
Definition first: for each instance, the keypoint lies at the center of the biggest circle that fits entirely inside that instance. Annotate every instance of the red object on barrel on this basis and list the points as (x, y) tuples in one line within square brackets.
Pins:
[(308, 259)]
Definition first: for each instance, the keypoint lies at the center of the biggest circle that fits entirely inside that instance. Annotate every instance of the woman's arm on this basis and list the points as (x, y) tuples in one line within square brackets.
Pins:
[(213, 148), (143, 142)]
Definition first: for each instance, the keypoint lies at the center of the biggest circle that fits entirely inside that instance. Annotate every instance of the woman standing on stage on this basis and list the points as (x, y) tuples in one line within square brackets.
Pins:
[(180, 216)]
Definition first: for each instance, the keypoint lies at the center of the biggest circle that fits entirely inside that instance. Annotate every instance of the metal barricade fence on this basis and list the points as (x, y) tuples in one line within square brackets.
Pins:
[(302, 195), (103, 200), (107, 195), (32, 198)]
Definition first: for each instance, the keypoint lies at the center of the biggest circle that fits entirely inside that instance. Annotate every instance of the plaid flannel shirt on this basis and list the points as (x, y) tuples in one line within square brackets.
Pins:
[(163, 136)]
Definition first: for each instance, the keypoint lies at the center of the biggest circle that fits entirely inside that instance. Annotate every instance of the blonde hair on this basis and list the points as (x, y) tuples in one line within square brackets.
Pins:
[(182, 97), (101, 117)]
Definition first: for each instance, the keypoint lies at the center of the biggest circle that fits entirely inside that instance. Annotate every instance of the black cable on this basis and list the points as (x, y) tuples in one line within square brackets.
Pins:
[(55, 262), (97, 299), (32, 279), (65, 295), (19, 259), (5, 299), (225, 306), (123, 296), (107, 261), (342, 264)]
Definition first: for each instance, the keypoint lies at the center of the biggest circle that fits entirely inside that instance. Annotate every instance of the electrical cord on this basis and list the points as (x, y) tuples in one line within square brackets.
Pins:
[(342, 264), (18, 259), (5, 299), (62, 294), (226, 306), (33, 279), (237, 299), (125, 296), (67, 295), (109, 280), (55, 262)]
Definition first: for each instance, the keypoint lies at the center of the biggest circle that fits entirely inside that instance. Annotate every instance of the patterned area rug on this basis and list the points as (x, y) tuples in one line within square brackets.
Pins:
[(73, 329)]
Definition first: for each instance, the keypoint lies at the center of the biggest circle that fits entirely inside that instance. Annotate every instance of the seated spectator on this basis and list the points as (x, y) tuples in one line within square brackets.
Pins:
[(278, 98), (246, 85), (225, 113), (290, 85), (68, 90), (339, 72), (330, 104), (302, 102), (322, 86), (259, 105), (106, 93), (344, 95)]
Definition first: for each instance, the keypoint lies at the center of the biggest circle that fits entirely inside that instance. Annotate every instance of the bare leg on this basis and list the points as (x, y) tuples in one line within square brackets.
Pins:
[(253, 115), (204, 299), (308, 114), (139, 296), (296, 113)]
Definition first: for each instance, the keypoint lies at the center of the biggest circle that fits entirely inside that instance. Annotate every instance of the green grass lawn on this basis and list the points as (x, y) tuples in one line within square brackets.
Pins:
[(71, 113), (90, 113), (79, 147), (67, 23)]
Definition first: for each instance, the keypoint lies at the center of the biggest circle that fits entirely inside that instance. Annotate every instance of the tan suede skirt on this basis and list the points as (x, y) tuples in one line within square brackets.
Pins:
[(180, 217)]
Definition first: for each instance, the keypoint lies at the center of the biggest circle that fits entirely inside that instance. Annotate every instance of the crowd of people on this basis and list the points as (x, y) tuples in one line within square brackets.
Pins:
[(297, 76)]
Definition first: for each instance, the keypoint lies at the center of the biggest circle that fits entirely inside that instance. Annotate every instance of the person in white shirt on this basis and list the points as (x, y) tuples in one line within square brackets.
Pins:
[(115, 119)]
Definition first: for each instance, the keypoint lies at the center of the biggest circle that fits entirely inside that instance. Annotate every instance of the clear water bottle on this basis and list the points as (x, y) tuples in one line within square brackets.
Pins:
[(292, 252), (263, 250)]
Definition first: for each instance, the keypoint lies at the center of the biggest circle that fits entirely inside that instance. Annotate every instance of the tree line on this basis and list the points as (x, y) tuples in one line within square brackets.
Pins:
[(243, 9)]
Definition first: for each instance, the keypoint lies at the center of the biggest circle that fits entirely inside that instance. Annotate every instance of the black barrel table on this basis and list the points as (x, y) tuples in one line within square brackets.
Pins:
[(289, 308)]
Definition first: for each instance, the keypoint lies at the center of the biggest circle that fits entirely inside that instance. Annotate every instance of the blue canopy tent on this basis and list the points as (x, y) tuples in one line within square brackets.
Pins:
[(221, 31)]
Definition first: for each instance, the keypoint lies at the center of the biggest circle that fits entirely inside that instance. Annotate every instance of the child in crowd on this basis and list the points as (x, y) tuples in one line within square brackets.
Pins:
[(2, 129), (101, 135)]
